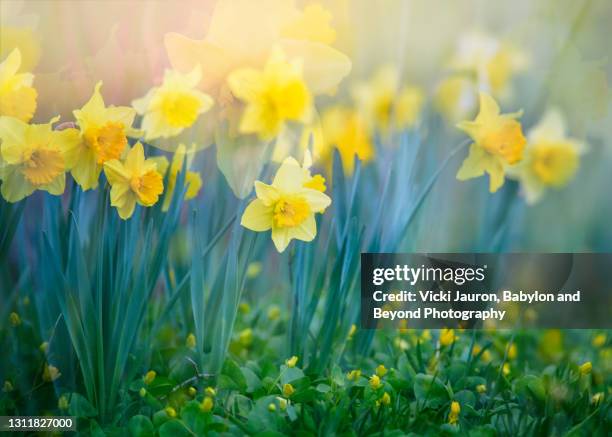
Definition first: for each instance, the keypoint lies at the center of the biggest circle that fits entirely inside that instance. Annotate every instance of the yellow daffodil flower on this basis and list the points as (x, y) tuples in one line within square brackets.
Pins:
[(453, 414), (388, 104), (551, 158), (17, 96), (286, 207), (345, 129), (375, 382), (245, 337), (243, 33), (50, 373), (273, 96), (312, 24), (353, 375), (498, 141), (33, 157), (193, 180), (456, 98), (207, 404), (171, 412), (491, 61), (381, 370), (585, 368), (104, 132), (14, 319), (135, 180), (291, 362), (288, 390), (385, 399), (173, 106), (481, 388), (211, 392), (274, 312), (150, 377), (447, 337)]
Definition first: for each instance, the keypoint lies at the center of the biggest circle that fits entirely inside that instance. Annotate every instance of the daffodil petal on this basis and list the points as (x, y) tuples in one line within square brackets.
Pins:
[(268, 194), (12, 134), (317, 200), (115, 172), (257, 216)]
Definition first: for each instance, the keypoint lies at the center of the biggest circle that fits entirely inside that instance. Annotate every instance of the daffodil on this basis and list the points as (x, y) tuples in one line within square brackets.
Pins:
[(193, 180), (286, 206), (104, 130), (288, 390), (273, 96), (17, 96), (274, 312), (33, 157), (381, 370), (388, 104), (551, 158), (244, 33), (344, 129), (375, 382), (492, 62), (454, 411), (291, 362), (190, 342), (447, 337), (498, 142), (150, 377), (135, 180), (207, 404), (173, 106), (50, 373), (385, 399), (456, 97), (14, 319), (585, 368)]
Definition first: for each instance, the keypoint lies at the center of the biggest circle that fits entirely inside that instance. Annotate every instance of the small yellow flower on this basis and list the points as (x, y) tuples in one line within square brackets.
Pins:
[(313, 24), (585, 368), (135, 180), (192, 391), (344, 129), (190, 342), (173, 106), (171, 412), (150, 377), (142, 392), (282, 403), (17, 96), (8, 387), (597, 398), (481, 388), (351, 332), (207, 404), (498, 141), (14, 319), (456, 97), (245, 337), (34, 157), (512, 351), (50, 373), (383, 100), (193, 180), (385, 399), (506, 369), (381, 370), (44, 347), (447, 337), (375, 382), (244, 308), (288, 390), (211, 392), (551, 158), (354, 375), (271, 407), (291, 362), (286, 206), (274, 312), (254, 269), (453, 414), (599, 340), (104, 130), (273, 96)]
